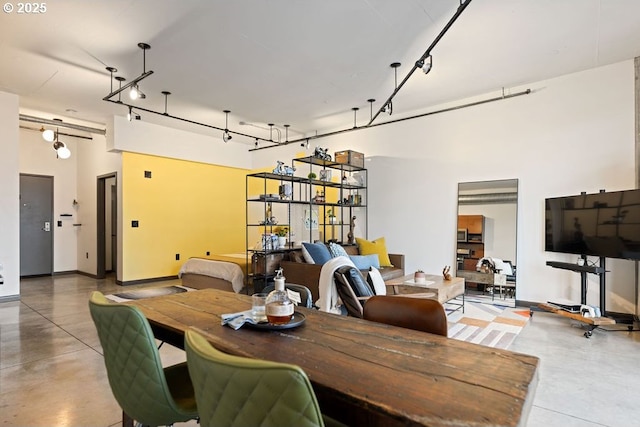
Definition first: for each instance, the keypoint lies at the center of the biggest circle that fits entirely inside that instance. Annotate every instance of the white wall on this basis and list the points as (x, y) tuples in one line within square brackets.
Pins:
[(147, 138), (94, 161), (38, 157), (573, 133), (9, 198)]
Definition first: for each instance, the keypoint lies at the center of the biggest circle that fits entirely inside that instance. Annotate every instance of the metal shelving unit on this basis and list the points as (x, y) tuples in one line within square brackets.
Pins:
[(269, 206)]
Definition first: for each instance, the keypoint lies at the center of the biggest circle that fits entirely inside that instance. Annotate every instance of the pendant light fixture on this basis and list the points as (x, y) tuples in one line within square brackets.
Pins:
[(371, 101), (48, 134), (166, 94), (132, 115), (134, 91), (226, 136), (120, 79), (61, 149)]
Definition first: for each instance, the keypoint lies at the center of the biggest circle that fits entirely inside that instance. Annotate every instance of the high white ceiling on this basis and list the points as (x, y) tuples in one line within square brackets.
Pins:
[(303, 63)]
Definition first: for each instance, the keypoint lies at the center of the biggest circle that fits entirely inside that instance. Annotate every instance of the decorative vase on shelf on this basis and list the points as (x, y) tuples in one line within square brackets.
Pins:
[(282, 242), (419, 276)]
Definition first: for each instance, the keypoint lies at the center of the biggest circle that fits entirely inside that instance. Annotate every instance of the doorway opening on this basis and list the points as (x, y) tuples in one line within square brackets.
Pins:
[(107, 226)]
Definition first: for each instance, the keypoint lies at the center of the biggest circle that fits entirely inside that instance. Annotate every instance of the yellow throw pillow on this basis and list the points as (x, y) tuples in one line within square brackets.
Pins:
[(377, 247)]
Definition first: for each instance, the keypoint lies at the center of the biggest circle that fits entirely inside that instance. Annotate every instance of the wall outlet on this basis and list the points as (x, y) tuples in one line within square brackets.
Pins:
[(208, 253), (177, 257)]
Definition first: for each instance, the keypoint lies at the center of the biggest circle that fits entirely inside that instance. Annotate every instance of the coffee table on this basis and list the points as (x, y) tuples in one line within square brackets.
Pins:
[(446, 291)]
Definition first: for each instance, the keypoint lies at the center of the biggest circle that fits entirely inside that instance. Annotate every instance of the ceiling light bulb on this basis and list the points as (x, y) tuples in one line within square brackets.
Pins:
[(226, 137), (63, 152), (48, 135), (133, 93)]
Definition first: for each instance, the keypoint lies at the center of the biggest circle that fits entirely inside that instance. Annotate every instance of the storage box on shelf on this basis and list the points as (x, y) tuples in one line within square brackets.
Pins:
[(350, 157)]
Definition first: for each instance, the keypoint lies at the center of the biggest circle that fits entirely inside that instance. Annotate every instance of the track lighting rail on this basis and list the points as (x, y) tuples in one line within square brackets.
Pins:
[(128, 85), (306, 139), (59, 133), (193, 122), (387, 105), (461, 8), (62, 124)]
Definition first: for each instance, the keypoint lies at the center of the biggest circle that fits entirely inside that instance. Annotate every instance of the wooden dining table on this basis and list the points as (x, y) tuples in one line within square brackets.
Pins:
[(366, 373)]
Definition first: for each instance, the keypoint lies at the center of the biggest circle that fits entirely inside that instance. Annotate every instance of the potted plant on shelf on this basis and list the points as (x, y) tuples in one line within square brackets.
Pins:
[(419, 276), (332, 216), (282, 232), (311, 175)]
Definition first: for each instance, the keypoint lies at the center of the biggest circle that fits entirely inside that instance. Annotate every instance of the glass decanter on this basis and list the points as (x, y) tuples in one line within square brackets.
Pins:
[(278, 306)]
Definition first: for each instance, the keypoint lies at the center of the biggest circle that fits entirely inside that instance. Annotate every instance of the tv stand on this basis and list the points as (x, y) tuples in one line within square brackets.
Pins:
[(591, 322), (584, 270)]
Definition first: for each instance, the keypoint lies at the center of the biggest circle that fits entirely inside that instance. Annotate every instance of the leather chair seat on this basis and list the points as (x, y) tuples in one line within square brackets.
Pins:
[(420, 314)]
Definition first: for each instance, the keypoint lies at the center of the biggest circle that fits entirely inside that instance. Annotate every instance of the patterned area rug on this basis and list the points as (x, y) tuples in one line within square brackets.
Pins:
[(493, 325)]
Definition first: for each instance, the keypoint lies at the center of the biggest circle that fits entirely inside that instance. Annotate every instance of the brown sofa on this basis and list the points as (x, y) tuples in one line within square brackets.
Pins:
[(297, 270)]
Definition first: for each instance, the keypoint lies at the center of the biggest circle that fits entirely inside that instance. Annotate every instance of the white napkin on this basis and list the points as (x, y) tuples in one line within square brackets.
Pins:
[(236, 320)]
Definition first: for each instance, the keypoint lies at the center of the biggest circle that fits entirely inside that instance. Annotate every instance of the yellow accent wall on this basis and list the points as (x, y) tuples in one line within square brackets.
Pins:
[(185, 208)]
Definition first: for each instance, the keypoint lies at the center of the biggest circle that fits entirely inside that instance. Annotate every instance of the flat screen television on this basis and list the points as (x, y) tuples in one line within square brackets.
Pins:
[(602, 224)]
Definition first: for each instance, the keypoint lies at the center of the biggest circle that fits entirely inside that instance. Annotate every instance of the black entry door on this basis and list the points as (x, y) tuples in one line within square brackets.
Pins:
[(36, 229)]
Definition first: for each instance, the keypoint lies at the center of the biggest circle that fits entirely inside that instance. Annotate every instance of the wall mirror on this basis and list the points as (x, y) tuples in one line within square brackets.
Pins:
[(486, 239)]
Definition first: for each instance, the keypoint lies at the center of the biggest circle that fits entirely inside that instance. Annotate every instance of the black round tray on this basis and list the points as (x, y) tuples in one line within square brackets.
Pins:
[(297, 320)]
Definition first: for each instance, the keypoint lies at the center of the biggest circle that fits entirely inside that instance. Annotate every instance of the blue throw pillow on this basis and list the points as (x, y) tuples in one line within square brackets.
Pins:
[(318, 251), (336, 250), (364, 262)]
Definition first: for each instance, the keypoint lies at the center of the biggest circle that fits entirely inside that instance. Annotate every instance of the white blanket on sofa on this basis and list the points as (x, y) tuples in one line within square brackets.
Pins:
[(328, 299), (219, 269)]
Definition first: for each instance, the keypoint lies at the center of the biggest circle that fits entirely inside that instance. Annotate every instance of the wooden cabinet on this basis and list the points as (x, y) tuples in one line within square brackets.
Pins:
[(474, 224), (473, 249)]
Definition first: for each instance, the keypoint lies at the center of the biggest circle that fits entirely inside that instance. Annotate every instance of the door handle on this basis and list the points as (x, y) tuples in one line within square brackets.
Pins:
[(47, 226)]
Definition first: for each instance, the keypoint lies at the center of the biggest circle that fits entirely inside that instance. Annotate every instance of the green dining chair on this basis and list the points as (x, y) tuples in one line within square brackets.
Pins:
[(146, 392), (238, 391)]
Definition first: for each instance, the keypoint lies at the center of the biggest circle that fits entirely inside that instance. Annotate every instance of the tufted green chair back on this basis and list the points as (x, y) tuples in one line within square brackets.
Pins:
[(144, 390), (237, 391)]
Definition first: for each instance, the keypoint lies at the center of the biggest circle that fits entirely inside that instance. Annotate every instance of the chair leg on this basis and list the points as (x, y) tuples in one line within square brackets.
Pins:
[(127, 421)]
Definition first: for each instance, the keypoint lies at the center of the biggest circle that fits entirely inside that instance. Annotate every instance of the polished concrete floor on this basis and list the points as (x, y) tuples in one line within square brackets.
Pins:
[(52, 372)]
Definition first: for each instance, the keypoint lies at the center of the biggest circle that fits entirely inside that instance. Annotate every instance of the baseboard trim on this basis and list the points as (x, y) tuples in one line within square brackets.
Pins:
[(521, 303), (10, 298), (84, 273), (62, 273), (143, 281)]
